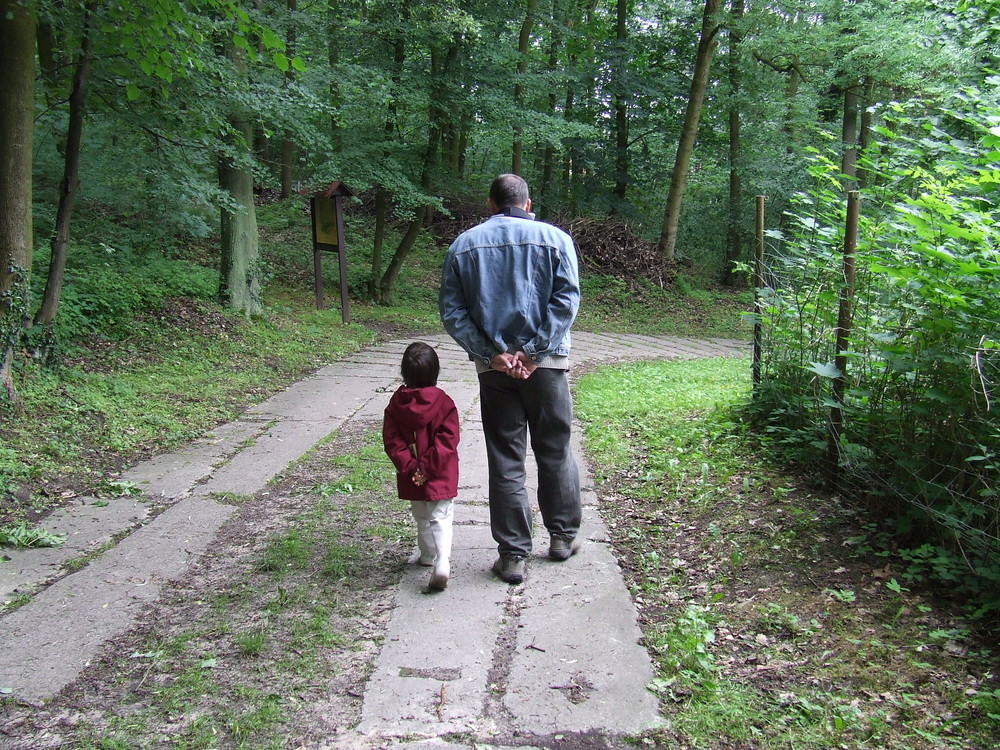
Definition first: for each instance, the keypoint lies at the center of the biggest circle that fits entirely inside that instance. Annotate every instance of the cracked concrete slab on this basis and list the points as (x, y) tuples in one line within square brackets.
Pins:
[(450, 633), (577, 665), (87, 525), (170, 476), (269, 454), (50, 640)]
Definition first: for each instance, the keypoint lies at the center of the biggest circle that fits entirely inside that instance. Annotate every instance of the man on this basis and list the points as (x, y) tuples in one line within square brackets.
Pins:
[(510, 291)]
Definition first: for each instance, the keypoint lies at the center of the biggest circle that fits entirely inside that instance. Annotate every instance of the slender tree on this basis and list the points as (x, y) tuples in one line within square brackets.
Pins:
[(333, 23), (849, 136), (288, 139), (734, 237), (69, 187), (621, 102), (523, 40), (545, 186), (382, 192), (240, 272), (667, 245)]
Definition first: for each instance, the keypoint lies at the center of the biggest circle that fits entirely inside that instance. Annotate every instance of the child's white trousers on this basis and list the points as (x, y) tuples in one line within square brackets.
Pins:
[(434, 533)]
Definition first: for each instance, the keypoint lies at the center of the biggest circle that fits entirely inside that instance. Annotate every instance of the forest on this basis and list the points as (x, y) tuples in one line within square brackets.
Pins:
[(139, 141), (815, 557), (134, 132)]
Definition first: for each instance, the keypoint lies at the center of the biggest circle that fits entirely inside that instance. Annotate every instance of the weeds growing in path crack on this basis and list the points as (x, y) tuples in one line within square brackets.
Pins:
[(270, 637)]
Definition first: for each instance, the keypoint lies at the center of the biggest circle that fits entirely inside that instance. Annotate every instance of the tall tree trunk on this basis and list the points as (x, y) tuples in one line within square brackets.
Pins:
[(382, 196), (546, 189), (667, 246), (523, 40), (571, 152), (48, 59), (288, 141), (333, 55), (621, 104), (381, 201), (791, 95), (240, 273), (69, 186), (17, 99), (438, 117), (452, 119), (734, 235), (463, 147)]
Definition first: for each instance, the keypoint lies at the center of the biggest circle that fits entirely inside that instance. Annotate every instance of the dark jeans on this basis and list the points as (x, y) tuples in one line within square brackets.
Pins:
[(511, 409)]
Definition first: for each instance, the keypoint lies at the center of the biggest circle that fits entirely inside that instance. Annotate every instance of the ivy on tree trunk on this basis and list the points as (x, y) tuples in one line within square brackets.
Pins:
[(240, 273), (17, 81)]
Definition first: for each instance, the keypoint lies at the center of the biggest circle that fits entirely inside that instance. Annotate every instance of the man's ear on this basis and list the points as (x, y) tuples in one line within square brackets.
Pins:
[(491, 206), (527, 206)]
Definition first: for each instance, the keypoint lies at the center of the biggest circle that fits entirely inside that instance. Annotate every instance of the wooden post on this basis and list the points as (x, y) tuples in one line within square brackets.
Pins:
[(345, 314), (758, 284), (318, 273), (844, 315)]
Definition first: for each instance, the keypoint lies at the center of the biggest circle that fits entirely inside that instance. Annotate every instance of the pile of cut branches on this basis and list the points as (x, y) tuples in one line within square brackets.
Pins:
[(605, 245), (611, 246)]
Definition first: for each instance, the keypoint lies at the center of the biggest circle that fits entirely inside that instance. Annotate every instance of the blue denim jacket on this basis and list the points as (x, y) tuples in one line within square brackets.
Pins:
[(510, 284)]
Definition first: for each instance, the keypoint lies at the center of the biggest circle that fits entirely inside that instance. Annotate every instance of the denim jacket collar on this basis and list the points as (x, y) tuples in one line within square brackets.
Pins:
[(518, 213)]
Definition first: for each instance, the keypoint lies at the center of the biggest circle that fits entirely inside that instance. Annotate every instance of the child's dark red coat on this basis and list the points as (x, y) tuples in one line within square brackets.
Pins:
[(425, 418)]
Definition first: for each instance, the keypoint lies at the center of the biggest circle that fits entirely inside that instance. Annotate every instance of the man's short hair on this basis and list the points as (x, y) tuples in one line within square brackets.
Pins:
[(420, 367), (509, 190)]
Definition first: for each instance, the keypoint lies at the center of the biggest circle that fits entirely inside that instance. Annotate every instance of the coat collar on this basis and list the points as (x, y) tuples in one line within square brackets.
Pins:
[(518, 213)]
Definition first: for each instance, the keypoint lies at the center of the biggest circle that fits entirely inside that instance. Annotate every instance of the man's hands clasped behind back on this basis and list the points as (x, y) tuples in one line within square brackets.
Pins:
[(518, 366)]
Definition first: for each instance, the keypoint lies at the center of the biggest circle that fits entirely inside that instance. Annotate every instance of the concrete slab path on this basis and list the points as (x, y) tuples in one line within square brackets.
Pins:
[(556, 655)]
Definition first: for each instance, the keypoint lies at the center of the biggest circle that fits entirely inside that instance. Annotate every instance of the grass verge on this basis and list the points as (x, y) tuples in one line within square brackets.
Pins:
[(772, 621)]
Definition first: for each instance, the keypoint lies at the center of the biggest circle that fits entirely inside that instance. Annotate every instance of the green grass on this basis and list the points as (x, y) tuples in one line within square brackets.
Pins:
[(649, 415), (251, 642), (286, 552), (769, 623), (365, 468), (612, 304)]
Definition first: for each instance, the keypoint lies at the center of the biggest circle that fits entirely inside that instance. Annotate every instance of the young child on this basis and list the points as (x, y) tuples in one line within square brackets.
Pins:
[(420, 435)]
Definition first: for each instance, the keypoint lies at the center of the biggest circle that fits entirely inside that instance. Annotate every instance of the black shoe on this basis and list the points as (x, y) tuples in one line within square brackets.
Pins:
[(563, 547), (510, 568)]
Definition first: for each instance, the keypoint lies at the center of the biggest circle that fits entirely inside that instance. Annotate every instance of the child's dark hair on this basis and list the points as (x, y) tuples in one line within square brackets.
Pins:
[(420, 366)]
